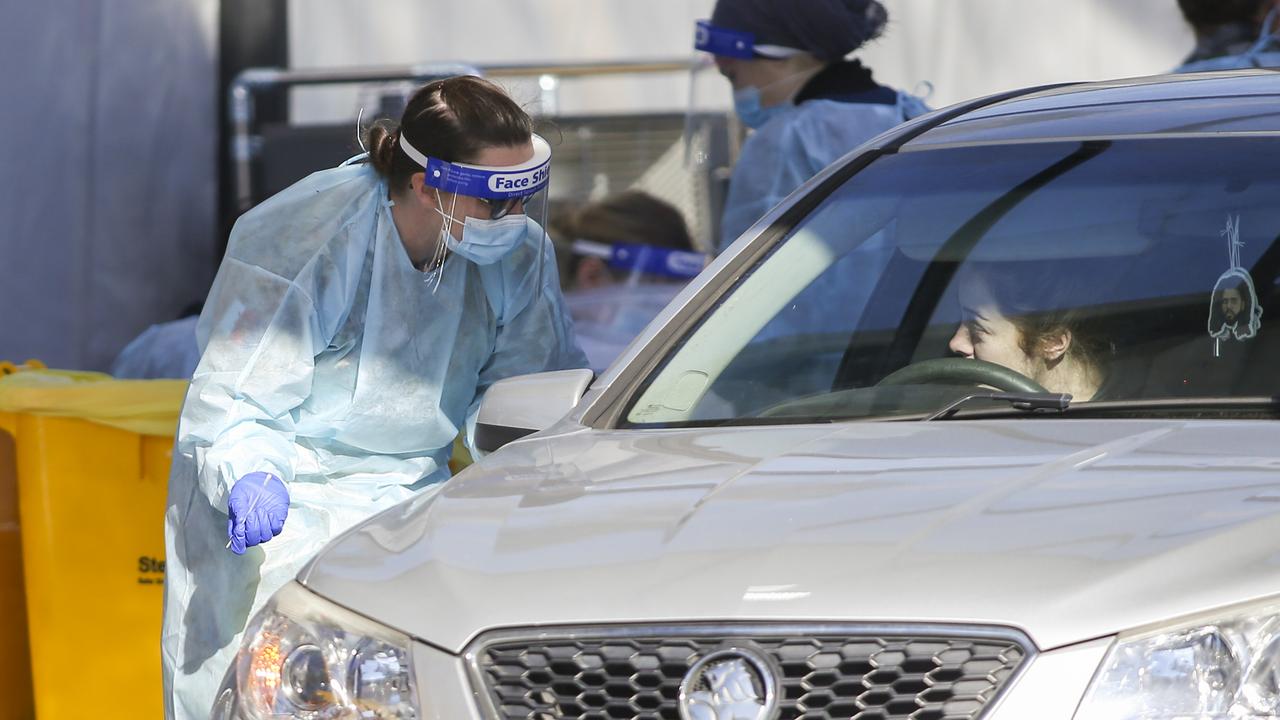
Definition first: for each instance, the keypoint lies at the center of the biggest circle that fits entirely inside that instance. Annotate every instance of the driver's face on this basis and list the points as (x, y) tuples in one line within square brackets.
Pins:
[(986, 334)]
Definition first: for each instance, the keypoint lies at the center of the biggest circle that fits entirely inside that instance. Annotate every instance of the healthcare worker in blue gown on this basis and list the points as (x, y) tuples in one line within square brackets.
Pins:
[(353, 328), (795, 86), (623, 258), (1232, 34)]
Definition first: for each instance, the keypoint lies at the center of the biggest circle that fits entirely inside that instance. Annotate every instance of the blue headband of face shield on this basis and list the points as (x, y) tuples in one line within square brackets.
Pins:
[(647, 259), (735, 43), (502, 188), (723, 41)]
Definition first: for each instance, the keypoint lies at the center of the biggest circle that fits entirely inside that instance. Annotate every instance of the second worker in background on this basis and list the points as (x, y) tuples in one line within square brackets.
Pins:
[(796, 87)]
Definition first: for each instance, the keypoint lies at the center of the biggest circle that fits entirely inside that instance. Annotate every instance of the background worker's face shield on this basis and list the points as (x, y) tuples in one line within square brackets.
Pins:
[(713, 134), (504, 192), (724, 42), (713, 130), (636, 263), (645, 279)]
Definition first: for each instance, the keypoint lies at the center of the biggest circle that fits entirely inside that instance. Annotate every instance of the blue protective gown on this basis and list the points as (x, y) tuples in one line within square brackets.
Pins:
[(332, 362), (165, 350), (838, 110)]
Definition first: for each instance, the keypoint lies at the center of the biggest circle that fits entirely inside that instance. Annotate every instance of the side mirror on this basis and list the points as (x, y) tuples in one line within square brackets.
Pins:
[(524, 404)]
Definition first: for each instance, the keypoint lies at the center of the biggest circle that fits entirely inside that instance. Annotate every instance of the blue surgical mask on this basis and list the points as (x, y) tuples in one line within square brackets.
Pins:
[(485, 242), (746, 102)]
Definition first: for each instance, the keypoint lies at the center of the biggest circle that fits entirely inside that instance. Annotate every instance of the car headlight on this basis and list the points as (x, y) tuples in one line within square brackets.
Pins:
[(1222, 666), (304, 657)]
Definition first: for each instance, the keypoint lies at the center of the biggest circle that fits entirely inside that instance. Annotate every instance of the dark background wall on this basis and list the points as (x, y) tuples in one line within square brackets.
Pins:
[(253, 33)]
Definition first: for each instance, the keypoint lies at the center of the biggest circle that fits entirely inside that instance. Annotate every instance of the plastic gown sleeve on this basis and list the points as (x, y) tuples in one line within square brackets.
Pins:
[(535, 331), (261, 334)]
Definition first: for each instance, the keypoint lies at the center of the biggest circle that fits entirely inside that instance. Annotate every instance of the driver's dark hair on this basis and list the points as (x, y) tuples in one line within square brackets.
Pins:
[(454, 119), (1043, 300)]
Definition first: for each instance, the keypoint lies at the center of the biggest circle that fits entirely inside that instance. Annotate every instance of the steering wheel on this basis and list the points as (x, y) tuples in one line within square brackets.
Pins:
[(962, 371)]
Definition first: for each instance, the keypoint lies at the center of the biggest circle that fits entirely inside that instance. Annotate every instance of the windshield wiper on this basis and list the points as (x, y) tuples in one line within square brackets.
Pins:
[(1030, 402), (1195, 407)]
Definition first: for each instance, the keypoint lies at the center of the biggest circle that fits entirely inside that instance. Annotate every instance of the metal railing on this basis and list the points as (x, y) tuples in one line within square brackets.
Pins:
[(255, 80)]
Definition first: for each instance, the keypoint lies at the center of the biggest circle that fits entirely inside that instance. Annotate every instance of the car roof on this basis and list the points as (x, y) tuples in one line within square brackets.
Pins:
[(1199, 104)]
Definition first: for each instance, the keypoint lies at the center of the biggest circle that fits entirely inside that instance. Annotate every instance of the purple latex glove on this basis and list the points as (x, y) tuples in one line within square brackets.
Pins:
[(256, 510)]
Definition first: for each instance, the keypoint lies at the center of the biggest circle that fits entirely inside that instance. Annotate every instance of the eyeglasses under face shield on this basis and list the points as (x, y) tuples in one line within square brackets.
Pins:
[(500, 208)]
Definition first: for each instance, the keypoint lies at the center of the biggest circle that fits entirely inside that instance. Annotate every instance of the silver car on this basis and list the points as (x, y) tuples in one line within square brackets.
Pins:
[(980, 423)]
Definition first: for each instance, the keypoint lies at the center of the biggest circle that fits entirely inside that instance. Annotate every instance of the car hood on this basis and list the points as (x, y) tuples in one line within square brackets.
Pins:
[(1067, 529)]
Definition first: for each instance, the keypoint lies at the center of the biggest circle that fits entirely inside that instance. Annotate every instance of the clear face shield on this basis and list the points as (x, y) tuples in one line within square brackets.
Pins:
[(647, 278), (506, 203), (719, 115), (637, 264), (713, 136)]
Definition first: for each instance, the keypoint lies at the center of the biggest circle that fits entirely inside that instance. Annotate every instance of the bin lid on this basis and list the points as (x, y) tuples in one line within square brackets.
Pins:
[(146, 407)]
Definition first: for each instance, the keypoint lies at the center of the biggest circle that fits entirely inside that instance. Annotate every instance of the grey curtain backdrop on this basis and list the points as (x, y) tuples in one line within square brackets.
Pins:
[(107, 172)]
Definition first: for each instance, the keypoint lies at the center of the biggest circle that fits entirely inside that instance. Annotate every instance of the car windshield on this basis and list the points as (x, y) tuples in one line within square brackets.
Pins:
[(1118, 271)]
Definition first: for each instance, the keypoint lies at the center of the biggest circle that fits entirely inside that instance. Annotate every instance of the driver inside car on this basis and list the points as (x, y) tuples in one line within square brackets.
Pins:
[(1019, 319)]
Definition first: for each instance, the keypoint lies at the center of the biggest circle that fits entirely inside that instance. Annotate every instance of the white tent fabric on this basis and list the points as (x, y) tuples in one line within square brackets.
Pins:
[(108, 181), (969, 48), (964, 48), (337, 33)]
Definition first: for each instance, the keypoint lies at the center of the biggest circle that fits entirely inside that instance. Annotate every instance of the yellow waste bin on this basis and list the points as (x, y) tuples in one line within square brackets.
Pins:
[(93, 459), (15, 662)]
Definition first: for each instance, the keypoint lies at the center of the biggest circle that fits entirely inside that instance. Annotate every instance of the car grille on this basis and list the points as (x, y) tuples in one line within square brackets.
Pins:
[(634, 673)]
